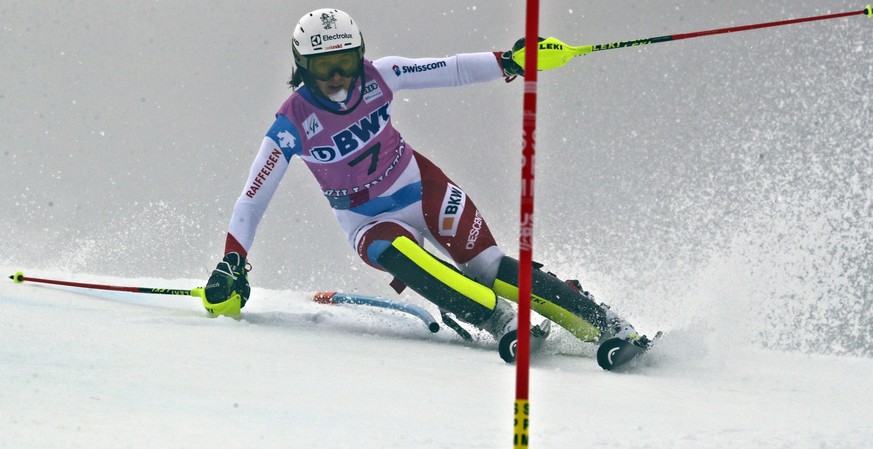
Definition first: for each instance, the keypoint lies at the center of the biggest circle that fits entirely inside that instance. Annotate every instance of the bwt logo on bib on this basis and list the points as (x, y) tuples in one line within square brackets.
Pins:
[(354, 137)]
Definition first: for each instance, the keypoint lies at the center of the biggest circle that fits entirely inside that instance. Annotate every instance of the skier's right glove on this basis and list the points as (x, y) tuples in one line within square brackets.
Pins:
[(227, 289)]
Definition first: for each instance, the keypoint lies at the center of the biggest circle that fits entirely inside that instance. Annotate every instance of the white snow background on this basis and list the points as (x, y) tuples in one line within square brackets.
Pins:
[(714, 188), (110, 370)]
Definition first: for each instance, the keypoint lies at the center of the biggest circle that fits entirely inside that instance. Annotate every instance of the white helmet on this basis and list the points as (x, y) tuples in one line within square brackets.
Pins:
[(325, 31)]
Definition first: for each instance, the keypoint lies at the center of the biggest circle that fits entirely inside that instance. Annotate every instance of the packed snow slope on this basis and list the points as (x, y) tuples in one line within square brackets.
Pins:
[(717, 188), (89, 369)]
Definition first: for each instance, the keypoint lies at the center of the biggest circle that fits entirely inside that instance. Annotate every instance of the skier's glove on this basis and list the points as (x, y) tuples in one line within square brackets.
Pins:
[(511, 69), (227, 289)]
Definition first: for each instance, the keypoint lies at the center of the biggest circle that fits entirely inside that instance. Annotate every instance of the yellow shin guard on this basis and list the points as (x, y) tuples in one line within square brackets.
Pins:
[(437, 281), (553, 299)]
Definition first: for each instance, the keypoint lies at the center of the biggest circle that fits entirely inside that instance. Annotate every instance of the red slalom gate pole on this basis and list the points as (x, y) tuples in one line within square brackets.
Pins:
[(525, 238)]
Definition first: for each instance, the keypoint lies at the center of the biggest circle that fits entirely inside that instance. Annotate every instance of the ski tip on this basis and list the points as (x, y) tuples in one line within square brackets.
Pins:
[(607, 351), (614, 353), (17, 277)]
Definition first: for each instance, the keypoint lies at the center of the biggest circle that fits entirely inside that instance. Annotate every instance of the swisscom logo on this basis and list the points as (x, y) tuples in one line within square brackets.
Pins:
[(415, 68)]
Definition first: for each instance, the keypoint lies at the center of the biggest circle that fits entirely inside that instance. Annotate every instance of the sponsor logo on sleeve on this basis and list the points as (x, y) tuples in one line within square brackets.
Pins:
[(415, 68), (264, 173), (286, 139)]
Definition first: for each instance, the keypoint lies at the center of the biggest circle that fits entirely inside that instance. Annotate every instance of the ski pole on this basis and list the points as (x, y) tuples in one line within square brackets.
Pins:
[(553, 53), (197, 292)]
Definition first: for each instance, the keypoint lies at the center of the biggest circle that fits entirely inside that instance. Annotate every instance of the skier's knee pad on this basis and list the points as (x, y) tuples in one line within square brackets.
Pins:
[(440, 283), (553, 299)]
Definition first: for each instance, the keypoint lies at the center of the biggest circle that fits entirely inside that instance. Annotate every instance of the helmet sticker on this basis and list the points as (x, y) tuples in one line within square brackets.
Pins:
[(328, 20)]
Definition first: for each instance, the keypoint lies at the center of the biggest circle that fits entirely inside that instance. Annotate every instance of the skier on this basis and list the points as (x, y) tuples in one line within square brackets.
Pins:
[(387, 197)]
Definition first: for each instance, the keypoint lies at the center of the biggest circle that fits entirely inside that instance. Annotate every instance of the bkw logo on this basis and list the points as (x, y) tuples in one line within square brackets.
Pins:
[(354, 137)]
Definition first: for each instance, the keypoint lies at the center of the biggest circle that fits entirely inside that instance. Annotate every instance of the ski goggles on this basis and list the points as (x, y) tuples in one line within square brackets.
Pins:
[(345, 63)]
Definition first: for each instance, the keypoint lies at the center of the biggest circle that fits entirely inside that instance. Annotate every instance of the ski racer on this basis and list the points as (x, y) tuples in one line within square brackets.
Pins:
[(387, 197)]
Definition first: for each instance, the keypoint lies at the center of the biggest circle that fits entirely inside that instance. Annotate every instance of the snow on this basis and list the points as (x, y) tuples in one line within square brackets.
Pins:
[(97, 369)]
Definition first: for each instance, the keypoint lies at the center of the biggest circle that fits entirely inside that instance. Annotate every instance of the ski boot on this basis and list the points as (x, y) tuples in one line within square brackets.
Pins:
[(617, 327), (503, 325), (509, 343), (619, 342)]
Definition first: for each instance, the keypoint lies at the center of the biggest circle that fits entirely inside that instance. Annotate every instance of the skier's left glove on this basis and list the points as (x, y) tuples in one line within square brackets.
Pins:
[(512, 69), (227, 289)]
